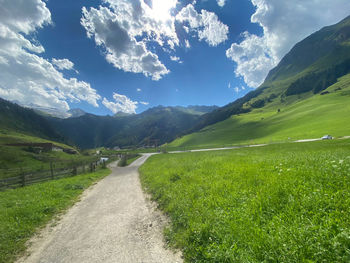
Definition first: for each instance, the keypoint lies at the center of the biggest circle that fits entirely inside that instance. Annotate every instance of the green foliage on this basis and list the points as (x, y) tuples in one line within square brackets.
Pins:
[(317, 82), (24, 210), (258, 103), (278, 203), (128, 158)]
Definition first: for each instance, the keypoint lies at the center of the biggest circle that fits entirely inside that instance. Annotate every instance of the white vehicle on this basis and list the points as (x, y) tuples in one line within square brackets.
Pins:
[(327, 137)]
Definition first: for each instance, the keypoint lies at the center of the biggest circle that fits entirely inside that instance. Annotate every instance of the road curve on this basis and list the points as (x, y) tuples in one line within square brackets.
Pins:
[(113, 222)]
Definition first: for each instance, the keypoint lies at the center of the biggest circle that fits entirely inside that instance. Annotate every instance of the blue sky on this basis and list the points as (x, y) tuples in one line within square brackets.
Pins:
[(117, 55)]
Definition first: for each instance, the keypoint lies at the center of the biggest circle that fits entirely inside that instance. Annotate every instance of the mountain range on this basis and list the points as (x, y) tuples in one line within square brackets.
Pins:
[(289, 102)]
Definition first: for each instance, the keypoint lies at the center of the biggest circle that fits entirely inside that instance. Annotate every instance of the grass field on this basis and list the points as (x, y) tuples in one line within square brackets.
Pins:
[(15, 160), (298, 119), (24, 210), (279, 203)]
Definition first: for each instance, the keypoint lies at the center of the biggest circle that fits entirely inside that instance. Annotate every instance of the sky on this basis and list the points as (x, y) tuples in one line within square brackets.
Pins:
[(109, 56)]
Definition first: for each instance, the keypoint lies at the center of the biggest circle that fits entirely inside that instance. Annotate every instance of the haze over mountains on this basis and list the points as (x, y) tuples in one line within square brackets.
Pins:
[(308, 70)]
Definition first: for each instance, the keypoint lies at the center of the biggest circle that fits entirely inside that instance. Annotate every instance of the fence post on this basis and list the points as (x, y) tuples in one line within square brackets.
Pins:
[(23, 178), (51, 170)]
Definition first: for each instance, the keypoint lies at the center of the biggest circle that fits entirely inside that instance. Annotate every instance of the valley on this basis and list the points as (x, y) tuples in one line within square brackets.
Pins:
[(283, 202)]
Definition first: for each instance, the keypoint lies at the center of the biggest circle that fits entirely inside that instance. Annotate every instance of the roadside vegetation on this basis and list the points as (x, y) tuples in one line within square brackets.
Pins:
[(24, 210), (127, 158), (279, 203), (16, 160)]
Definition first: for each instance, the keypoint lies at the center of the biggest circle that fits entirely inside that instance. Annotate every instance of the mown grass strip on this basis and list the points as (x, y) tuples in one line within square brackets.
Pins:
[(24, 210), (279, 203), (131, 160)]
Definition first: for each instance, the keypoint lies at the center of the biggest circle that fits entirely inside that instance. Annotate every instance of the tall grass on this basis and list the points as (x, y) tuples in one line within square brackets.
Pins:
[(279, 203)]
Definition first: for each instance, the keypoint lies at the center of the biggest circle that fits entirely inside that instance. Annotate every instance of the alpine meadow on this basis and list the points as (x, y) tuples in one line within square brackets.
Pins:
[(166, 131)]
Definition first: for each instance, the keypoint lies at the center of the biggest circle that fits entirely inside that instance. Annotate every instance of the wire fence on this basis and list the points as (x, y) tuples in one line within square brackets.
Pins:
[(14, 178)]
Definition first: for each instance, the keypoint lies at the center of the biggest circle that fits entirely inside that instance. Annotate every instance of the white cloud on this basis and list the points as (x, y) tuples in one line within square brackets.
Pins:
[(62, 64), (206, 24), (229, 85), (236, 89), (26, 76), (176, 59), (138, 90), (124, 28), (187, 44), (284, 24), (122, 104), (221, 3), (144, 103)]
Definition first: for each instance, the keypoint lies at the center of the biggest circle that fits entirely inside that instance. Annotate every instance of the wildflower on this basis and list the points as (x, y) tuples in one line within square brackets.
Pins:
[(334, 166), (341, 161)]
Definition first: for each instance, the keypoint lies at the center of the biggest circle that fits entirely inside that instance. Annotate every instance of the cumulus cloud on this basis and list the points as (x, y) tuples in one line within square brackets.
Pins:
[(284, 24), (144, 103), (138, 90), (206, 24), (124, 28), (221, 3), (62, 64), (26, 76), (121, 104)]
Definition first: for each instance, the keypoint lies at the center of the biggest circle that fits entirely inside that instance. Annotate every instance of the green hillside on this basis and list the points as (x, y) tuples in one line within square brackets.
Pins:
[(18, 119), (305, 96), (298, 118), (309, 68)]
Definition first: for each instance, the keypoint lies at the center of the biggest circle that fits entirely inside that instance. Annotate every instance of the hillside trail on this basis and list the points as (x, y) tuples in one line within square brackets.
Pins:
[(113, 222)]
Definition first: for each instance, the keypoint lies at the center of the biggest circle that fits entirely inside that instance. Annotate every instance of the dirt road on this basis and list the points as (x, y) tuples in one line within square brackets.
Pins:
[(113, 222)]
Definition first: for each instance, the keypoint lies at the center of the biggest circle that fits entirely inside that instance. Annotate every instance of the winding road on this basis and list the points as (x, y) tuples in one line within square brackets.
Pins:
[(113, 222)]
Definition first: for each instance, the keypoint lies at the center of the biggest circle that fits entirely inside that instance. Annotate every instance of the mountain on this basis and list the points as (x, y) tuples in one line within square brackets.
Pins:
[(76, 112), (155, 126), (44, 111), (309, 68), (310, 83), (23, 120)]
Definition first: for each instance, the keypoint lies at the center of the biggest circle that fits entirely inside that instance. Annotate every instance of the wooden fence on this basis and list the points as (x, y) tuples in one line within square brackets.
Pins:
[(28, 178)]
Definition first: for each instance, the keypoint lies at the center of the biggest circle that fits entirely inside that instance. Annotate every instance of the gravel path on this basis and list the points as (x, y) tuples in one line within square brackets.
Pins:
[(113, 222)]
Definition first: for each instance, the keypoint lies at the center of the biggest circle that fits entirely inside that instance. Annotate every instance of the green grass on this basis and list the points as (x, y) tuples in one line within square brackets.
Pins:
[(279, 203), (131, 160), (13, 160), (298, 119), (24, 210)]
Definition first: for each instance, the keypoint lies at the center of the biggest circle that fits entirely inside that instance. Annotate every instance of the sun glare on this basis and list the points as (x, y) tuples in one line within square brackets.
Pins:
[(162, 8)]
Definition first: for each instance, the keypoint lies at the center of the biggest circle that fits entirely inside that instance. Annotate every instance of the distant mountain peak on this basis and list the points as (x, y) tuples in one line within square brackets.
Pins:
[(76, 112)]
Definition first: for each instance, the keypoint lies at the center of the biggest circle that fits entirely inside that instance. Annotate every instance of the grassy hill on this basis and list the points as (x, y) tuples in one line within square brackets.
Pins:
[(18, 119), (305, 96), (299, 118)]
